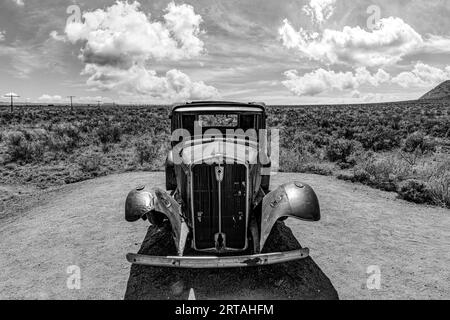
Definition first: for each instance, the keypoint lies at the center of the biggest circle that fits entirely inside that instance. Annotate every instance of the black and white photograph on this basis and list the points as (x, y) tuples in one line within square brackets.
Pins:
[(223, 155)]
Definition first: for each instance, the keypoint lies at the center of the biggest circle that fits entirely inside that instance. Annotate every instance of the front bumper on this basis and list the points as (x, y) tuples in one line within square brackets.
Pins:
[(212, 262)]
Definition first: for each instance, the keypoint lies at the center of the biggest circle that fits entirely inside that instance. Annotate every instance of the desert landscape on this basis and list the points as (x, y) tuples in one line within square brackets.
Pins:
[(401, 147), (381, 171), (112, 186)]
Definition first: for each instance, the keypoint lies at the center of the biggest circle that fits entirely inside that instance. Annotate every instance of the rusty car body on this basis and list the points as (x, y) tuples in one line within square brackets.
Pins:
[(218, 200)]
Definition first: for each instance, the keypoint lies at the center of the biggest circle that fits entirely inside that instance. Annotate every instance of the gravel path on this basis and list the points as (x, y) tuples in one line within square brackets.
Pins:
[(83, 225)]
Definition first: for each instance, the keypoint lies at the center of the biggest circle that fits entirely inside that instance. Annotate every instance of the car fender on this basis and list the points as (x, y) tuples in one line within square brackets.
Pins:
[(295, 200), (141, 202)]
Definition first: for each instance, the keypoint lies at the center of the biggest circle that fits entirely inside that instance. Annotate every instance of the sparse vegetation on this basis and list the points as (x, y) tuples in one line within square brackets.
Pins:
[(400, 147), (108, 133), (150, 151), (415, 191)]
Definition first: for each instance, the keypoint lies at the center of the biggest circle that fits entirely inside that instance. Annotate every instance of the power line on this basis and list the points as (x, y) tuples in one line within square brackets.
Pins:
[(12, 96)]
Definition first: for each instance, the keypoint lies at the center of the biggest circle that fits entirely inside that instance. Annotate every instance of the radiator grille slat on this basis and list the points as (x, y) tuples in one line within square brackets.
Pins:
[(206, 206), (234, 205)]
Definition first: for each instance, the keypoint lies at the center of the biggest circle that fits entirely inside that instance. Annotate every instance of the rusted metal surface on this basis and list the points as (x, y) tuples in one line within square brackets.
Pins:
[(211, 262), (217, 204), (295, 200), (141, 201)]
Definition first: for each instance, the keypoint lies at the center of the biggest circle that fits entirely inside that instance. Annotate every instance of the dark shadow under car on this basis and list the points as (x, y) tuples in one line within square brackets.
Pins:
[(296, 280)]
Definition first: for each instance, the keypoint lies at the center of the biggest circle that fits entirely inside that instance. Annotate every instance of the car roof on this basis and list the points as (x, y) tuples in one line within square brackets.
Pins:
[(219, 106)]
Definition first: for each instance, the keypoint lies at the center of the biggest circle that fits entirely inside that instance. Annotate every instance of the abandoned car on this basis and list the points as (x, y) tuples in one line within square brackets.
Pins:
[(218, 200)]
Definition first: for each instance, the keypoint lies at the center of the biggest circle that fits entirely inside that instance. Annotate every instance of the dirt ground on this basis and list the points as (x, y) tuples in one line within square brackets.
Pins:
[(83, 225)]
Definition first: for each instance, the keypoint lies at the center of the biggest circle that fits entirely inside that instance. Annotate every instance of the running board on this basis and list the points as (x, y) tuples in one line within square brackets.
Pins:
[(211, 262)]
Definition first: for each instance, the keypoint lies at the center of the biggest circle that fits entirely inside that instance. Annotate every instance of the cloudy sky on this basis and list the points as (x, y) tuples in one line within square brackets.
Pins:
[(281, 51)]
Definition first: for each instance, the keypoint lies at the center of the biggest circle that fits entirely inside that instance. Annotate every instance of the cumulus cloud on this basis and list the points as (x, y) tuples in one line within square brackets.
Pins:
[(319, 10), (91, 100), (356, 94), (47, 98), (175, 85), (390, 41), (437, 44), (2, 35), (422, 75), (20, 3), (11, 94), (50, 98), (54, 35), (121, 42), (321, 80), (373, 97), (123, 34)]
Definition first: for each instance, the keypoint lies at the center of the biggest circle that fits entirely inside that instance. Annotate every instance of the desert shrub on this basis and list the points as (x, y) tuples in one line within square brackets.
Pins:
[(67, 129), (106, 147), (387, 166), (21, 147), (379, 170), (383, 172), (440, 190), (294, 160), (64, 137), (289, 161), (60, 143), (439, 184), (419, 142), (358, 175), (342, 151), (322, 169), (90, 163), (361, 176), (108, 133), (378, 139), (147, 150), (302, 161), (291, 138), (415, 191)]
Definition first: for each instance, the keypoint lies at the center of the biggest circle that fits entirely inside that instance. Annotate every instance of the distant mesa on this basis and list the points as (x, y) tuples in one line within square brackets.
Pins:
[(441, 92)]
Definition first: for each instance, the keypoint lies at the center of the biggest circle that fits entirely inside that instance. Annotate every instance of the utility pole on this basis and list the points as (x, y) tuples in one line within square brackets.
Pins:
[(12, 96), (99, 101), (71, 102)]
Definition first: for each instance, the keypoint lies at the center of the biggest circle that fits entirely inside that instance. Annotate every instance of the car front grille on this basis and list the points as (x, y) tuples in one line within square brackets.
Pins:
[(220, 207)]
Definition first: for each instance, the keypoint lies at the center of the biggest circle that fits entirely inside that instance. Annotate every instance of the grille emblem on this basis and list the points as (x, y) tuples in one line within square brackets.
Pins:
[(220, 241), (219, 173)]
